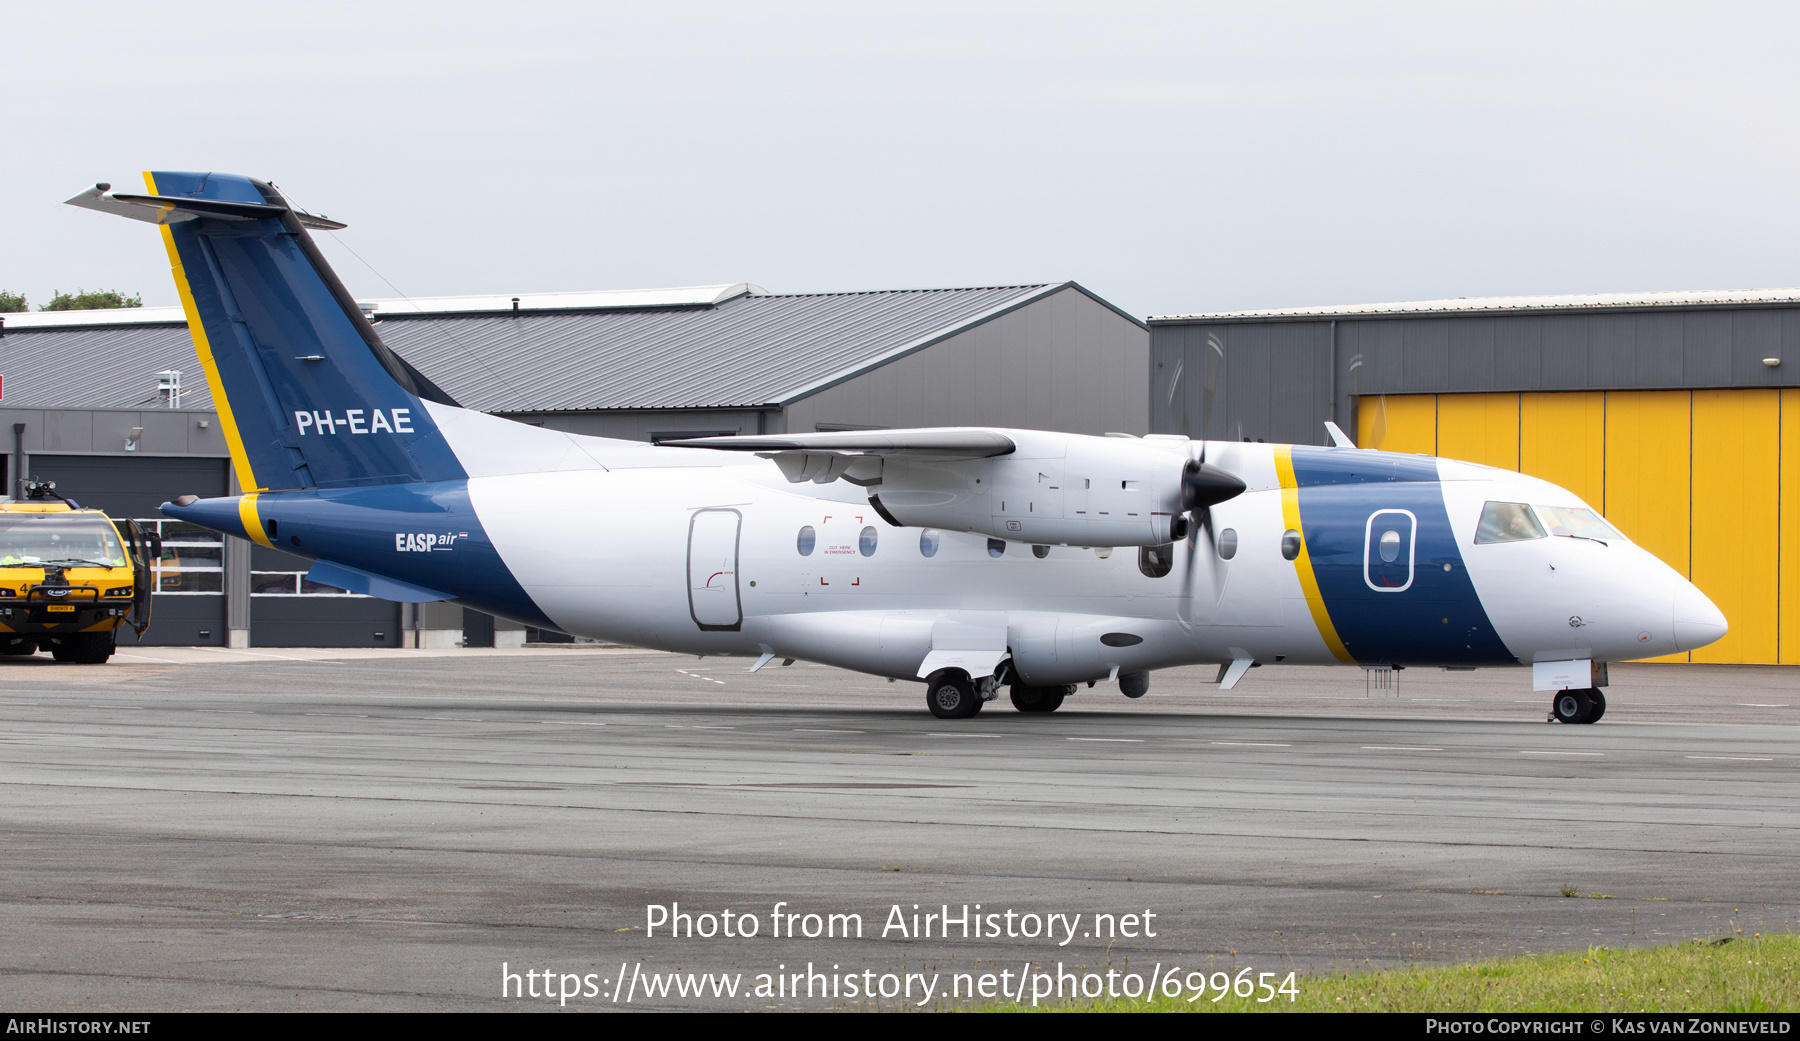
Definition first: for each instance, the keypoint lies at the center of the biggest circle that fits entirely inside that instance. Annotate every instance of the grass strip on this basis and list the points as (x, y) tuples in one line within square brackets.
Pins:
[(1737, 974)]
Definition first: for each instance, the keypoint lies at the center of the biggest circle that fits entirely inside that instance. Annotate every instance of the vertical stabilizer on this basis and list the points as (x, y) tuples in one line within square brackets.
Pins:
[(308, 395)]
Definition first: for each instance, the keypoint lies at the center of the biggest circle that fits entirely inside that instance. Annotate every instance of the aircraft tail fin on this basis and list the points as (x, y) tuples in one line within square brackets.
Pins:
[(308, 395)]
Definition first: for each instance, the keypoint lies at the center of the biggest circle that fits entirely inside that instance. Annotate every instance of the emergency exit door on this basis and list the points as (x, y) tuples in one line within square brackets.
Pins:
[(712, 570)]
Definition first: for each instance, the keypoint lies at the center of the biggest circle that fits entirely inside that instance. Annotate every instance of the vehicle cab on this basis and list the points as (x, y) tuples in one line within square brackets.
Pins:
[(69, 580)]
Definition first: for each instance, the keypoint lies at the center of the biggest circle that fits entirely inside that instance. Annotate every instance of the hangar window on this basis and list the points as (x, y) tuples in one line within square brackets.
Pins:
[(1155, 561), (1507, 522), (928, 542), (807, 539), (1228, 543), (1576, 523), (865, 543), (1290, 544), (192, 561)]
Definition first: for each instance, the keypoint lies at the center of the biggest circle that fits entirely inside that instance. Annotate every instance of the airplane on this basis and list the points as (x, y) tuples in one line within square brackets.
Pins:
[(971, 558)]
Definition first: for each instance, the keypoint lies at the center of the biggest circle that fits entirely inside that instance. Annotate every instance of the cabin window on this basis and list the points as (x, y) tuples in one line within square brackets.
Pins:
[(866, 541), (807, 540), (928, 542), (1576, 523), (1228, 543), (996, 547), (1290, 544), (1155, 561), (1040, 552), (1507, 522), (1102, 552), (1389, 546)]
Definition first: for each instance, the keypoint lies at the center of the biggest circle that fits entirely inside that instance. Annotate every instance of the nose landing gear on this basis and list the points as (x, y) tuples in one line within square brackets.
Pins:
[(1578, 706)]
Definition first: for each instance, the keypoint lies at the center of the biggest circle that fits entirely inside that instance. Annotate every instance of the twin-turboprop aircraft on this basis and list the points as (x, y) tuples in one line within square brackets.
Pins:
[(970, 558)]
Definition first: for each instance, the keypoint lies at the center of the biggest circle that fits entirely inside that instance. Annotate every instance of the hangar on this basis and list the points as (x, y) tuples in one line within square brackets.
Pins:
[(114, 407), (1674, 414)]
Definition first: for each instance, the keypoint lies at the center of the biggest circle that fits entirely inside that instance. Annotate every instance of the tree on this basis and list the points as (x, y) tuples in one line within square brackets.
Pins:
[(99, 300), (11, 302)]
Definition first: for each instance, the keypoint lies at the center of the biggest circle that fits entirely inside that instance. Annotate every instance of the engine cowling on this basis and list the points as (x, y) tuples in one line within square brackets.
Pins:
[(1070, 489)]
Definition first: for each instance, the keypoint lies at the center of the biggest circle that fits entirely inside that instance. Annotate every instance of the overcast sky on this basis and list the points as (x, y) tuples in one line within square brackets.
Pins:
[(1171, 157)]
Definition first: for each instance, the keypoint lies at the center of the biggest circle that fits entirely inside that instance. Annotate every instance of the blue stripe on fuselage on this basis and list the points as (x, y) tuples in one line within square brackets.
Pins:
[(1438, 619), (425, 533)]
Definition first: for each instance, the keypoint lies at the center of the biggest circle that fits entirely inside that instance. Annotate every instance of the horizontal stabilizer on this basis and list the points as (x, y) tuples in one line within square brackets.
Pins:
[(172, 209), (367, 583), (941, 442)]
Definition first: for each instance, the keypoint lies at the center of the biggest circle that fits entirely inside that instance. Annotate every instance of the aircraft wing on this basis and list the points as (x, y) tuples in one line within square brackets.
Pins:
[(825, 457), (938, 442)]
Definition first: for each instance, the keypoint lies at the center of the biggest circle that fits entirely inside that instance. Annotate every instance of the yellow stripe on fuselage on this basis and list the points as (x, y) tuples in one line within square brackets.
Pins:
[(252, 523), (240, 461), (1309, 584)]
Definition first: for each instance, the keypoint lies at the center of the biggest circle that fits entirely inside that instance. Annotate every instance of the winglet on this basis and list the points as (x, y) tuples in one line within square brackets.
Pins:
[(1339, 439)]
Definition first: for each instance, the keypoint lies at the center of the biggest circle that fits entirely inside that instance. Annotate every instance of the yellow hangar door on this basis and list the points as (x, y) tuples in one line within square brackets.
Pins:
[(712, 569), (1708, 480)]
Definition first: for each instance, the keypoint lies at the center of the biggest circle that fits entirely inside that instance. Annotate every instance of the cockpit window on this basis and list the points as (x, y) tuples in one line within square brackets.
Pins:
[(1507, 522), (1576, 523)]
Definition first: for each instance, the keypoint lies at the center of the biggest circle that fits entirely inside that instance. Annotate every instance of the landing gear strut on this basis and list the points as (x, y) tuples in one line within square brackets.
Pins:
[(1578, 706)]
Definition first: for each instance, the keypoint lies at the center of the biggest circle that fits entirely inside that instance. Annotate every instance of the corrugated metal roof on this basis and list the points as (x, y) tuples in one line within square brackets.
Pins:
[(381, 307), (1589, 301), (98, 367), (755, 349)]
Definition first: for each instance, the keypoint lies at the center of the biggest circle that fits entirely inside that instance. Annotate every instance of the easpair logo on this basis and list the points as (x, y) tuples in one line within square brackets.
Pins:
[(427, 541)]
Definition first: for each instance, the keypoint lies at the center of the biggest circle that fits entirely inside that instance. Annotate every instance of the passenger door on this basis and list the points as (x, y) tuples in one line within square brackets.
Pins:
[(712, 570)]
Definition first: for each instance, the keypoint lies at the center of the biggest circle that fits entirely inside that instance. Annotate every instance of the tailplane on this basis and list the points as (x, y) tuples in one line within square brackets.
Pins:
[(308, 395)]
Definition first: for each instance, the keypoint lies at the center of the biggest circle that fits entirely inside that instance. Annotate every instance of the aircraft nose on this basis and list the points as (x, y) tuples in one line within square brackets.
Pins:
[(1698, 621)]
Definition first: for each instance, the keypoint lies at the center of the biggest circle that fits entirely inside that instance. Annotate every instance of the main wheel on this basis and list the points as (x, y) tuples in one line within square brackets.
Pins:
[(1573, 706), (1037, 699), (1599, 705), (950, 695), (18, 647), (83, 648)]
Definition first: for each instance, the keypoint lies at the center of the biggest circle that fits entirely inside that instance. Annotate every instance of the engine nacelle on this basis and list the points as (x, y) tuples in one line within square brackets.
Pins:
[(1070, 489)]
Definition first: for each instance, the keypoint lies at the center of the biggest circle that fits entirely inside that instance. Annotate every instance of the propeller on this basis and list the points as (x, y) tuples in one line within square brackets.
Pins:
[(1203, 486)]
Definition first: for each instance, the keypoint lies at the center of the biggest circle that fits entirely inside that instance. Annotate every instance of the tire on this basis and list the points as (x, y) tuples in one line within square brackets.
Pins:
[(950, 695), (1599, 705), (1573, 706), (22, 647), (83, 648), (1037, 699)]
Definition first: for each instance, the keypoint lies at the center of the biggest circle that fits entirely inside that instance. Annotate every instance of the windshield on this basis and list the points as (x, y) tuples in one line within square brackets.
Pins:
[(1507, 522), (34, 539), (1576, 523)]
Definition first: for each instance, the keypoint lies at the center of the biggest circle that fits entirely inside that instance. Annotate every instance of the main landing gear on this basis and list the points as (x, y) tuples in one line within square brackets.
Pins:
[(1578, 706), (1039, 699), (950, 694)]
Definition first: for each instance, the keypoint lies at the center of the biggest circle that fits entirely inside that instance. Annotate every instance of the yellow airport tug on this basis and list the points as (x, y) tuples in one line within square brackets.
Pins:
[(68, 581)]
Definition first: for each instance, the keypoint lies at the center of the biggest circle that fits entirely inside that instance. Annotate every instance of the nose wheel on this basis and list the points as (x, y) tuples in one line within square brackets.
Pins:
[(1578, 706)]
